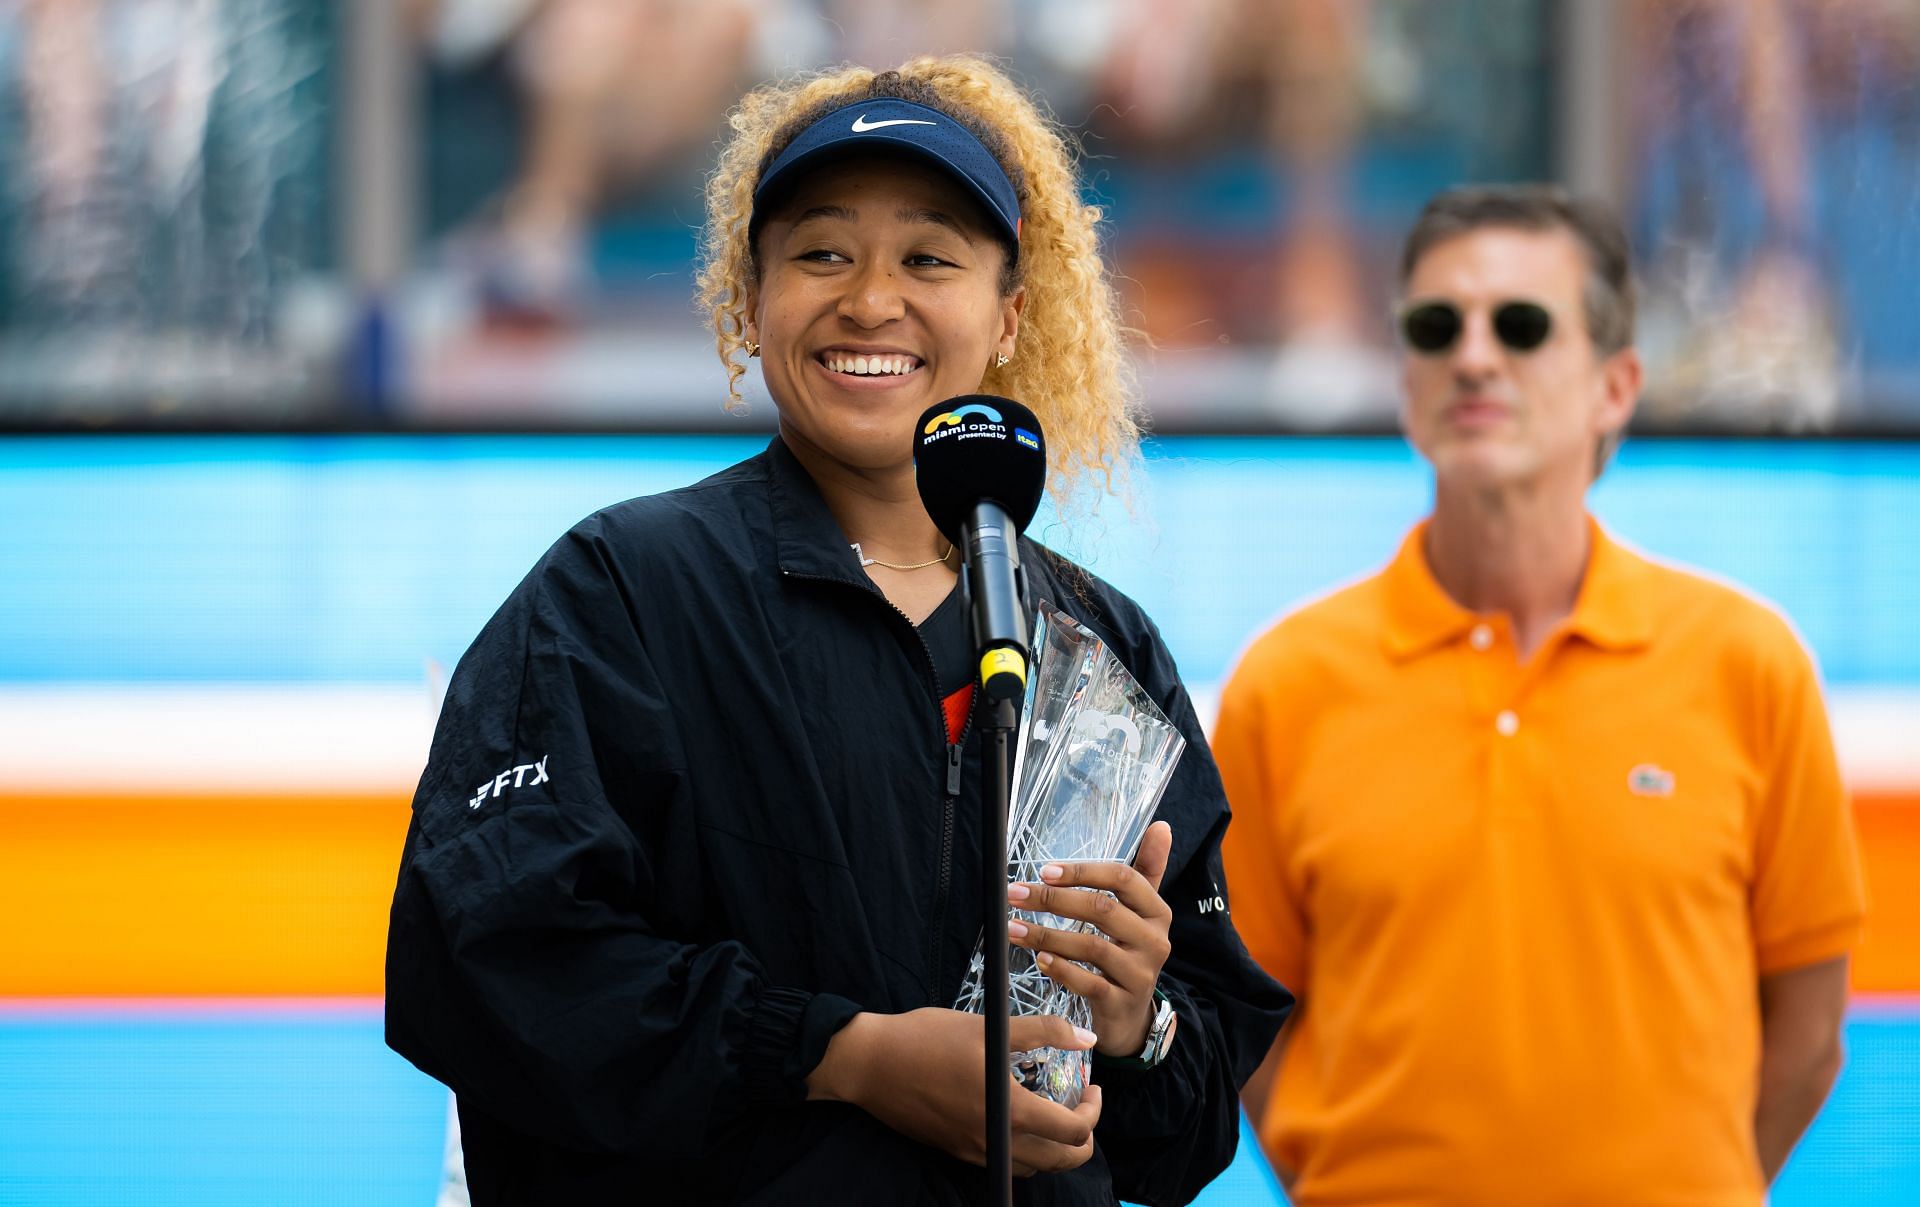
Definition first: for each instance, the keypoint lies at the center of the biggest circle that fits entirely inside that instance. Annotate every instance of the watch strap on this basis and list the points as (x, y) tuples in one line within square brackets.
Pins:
[(1154, 1050)]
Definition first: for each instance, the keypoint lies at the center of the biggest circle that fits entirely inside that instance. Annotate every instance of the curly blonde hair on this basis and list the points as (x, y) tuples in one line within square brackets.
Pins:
[(1069, 367)]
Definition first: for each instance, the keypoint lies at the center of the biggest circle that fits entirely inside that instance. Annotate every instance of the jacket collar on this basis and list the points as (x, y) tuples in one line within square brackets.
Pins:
[(1612, 610), (807, 539)]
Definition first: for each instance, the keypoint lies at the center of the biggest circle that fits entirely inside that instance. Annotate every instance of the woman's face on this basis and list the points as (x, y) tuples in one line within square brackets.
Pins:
[(879, 296)]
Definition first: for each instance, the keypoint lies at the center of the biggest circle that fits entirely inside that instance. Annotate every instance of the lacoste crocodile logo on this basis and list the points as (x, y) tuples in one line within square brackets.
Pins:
[(1649, 780)]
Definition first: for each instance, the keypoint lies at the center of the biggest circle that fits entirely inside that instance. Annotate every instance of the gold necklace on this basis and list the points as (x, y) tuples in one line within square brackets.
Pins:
[(866, 561)]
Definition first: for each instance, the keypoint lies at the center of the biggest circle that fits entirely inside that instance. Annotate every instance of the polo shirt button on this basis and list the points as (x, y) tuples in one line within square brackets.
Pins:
[(1481, 637), (1508, 723)]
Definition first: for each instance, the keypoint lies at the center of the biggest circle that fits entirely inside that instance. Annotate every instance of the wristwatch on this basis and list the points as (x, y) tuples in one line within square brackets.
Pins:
[(1159, 1038)]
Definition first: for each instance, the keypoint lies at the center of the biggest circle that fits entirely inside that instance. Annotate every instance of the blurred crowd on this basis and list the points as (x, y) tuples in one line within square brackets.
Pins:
[(171, 194)]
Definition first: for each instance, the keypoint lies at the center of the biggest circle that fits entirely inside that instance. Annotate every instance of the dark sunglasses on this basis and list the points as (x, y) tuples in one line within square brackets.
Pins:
[(1433, 327)]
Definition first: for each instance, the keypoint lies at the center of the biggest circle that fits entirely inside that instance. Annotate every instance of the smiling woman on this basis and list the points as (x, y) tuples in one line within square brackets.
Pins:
[(1067, 363), (688, 967), (879, 295)]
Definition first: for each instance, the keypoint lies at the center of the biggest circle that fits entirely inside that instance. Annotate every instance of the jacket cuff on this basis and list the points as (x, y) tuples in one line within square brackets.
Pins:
[(819, 1023), (787, 1038)]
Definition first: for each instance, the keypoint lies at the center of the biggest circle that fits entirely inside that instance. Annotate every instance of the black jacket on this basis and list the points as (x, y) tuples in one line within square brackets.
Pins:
[(689, 807)]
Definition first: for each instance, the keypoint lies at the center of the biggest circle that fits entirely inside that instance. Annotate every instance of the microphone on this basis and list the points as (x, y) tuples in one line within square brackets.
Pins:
[(981, 466)]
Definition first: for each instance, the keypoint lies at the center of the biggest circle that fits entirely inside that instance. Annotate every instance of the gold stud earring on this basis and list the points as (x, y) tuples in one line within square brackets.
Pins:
[(1000, 362), (753, 349)]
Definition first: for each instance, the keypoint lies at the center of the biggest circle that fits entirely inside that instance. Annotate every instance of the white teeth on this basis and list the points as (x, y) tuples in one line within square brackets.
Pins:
[(871, 366)]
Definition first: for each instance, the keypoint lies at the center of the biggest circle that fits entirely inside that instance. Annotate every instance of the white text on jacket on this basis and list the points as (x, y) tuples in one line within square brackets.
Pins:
[(510, 778)]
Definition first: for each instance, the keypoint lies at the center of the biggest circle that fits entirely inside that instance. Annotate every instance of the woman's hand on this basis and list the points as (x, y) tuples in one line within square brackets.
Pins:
[(1130, 950), (923, 1074)]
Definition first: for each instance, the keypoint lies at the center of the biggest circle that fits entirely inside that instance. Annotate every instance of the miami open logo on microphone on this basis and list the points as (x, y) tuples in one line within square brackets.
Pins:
[(953, 418)]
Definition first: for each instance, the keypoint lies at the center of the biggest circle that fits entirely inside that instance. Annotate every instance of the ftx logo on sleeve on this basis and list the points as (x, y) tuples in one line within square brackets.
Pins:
[(512, 777)]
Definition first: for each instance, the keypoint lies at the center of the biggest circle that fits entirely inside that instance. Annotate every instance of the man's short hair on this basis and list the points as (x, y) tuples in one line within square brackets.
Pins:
[(1608, 297)]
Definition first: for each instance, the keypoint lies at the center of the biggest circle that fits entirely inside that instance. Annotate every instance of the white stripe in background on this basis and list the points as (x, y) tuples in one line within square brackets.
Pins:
[(1877, 731), (374, 739), (223, 738)]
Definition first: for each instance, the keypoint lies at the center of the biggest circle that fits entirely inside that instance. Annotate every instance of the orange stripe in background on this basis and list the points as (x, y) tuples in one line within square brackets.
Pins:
[(1888, 959), (283, 895), (221, 896)]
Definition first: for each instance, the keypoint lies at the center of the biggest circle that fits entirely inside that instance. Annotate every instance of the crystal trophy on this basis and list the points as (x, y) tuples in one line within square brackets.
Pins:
[(1092, 757)]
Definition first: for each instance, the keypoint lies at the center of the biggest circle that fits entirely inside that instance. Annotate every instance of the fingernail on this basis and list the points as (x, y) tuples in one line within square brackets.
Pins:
[(1016, 930), (1085, 1036), (1044, 959), (1018, 892), (1052, 872)]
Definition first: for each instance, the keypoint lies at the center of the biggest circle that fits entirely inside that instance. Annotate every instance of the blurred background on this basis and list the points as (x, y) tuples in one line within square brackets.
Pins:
[(319, 321), (460, 212)]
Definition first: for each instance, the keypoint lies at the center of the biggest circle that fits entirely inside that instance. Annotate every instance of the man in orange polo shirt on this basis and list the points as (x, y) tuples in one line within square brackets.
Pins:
[(1548, 838)]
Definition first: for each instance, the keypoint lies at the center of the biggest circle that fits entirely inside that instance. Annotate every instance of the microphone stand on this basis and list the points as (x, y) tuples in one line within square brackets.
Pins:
[(1001, 722), (995, 591)]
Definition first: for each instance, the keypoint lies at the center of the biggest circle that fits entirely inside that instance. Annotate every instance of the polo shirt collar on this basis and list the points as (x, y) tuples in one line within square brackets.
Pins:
[(1614, 610), (1611, 611)]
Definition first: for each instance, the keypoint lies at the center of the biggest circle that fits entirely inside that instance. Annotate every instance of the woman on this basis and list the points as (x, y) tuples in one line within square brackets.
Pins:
[(694, 935)]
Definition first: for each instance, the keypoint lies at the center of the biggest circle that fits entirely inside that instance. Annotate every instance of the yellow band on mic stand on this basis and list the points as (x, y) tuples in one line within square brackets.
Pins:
[(1003, 661)]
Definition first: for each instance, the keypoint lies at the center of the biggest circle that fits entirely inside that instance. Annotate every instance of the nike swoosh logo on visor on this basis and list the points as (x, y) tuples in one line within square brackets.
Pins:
[(861, 125)]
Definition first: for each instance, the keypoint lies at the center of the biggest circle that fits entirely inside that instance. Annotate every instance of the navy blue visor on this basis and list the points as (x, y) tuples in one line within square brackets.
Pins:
[(889, 125)]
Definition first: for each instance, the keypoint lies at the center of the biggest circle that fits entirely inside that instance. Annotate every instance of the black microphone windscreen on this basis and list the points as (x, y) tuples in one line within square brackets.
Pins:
[(976, 448)]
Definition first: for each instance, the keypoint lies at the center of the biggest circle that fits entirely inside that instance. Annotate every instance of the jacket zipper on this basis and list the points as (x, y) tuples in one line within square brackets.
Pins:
[(944, 887), (943, 884)]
